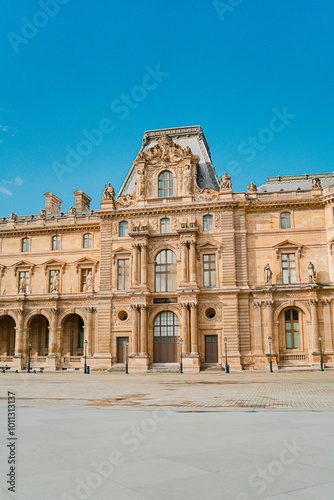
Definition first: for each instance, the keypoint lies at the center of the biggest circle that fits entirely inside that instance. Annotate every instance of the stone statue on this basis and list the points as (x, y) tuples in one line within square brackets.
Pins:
[(55, 283), (109, 192), (141, 182), (252, 188), (23, 285), (42, 214), (89, 282), (72, 211), (311, 273), (267, 274), (316, 183), (225, 182), (12, 216), (188, 181)]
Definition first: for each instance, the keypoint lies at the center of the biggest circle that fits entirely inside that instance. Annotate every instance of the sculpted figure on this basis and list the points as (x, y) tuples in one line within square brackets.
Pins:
[(316, 183), (89, 282), (267, 274), (252, 188), (23, 285), (72, 211), (12, 216), (311, 273), (188, 181), (55, 283), (225, 182)]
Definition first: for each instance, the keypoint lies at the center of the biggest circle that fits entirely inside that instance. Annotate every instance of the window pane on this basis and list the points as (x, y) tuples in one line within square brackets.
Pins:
[(288, 340), (296, 340), (294, 315), (292, 276), (285, 276)]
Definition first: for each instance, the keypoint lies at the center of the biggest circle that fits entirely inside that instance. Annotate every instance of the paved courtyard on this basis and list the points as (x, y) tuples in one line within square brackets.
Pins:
[(168, 436)]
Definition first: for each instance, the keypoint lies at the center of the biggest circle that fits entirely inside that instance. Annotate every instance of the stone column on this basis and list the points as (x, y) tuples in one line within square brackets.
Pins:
[(53, 333), (143, 330), (184, 251), (328, 347), (258, 346), (185, 337), (19, 334), (134, 264), (89, 330), (314, 344), (192, 258), (134, 329), (144, 264), (138, 264), (193, 328)]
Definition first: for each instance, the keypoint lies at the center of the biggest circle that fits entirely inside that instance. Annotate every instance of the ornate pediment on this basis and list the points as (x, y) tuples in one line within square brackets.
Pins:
[(288, 245), (207, 194), (127, 200), (166, 151)]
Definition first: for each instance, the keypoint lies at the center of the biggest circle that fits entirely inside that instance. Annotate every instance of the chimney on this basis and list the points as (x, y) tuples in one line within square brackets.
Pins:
[(52, 203), (82, 201)]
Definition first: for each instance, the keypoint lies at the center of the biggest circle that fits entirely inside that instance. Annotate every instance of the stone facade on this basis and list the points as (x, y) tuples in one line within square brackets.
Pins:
[(177, 254)]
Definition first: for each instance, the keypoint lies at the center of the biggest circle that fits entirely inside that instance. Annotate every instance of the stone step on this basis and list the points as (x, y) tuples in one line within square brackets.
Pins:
[(164, 368)]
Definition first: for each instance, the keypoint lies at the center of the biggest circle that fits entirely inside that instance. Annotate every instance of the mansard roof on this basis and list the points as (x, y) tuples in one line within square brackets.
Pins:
[(192, 137), (295, 182)]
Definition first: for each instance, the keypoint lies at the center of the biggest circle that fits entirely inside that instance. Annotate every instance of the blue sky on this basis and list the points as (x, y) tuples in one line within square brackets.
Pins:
[(230, 66)]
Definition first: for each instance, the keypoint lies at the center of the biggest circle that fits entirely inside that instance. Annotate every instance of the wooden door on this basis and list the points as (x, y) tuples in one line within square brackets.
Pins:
[(211, 349)]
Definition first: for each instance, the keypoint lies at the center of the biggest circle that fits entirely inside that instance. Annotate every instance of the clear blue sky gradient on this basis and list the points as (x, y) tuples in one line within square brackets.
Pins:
[(227, 71)]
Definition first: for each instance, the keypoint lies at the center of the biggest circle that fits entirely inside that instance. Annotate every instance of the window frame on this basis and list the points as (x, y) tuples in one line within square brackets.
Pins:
[(209, 270), (289, 268), (165, 225), (286, 220), (165, 273), (55, 242), (25, 244), (292, 330), (170, 188), (87, 237), (83, 277), (123, 229), (207, 223), (27, 278), (123, 278)]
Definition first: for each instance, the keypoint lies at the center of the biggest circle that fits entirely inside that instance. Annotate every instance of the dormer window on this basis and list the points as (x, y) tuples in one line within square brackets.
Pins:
[(285, 220), (166, 184)]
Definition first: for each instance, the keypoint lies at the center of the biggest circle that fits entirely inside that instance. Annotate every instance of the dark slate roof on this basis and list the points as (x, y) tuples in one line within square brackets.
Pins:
[(294, 182), (185, 136)]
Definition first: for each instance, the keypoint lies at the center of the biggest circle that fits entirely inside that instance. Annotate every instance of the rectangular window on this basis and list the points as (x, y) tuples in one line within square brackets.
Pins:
[(209, 269), (123, 274), (288, 268), (24, 281), (25, 245), (84, 274), (208, 223), (88, 240), (56, 243)]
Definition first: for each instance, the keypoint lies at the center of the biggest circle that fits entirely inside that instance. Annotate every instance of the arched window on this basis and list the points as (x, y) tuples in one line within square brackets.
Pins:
[(25, 245), (285, 220), (123, 228), (165, 271), (56, 243), (291, 329), (165, 226), (207, 222), (166, 184), (87, 241)]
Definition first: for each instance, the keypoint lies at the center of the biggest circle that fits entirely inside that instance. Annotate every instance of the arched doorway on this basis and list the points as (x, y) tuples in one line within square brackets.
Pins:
[(7, 336), (39, 336), (73, 336), (166, 333)]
